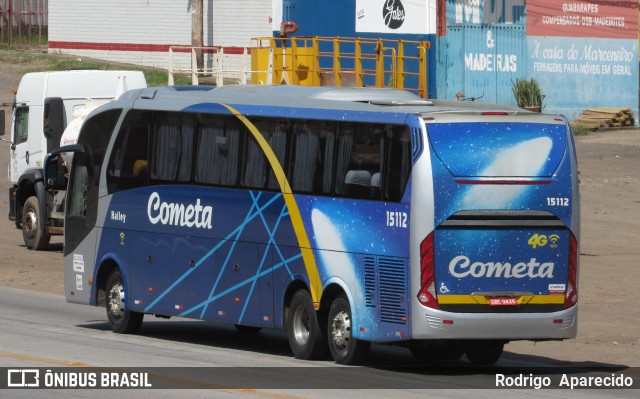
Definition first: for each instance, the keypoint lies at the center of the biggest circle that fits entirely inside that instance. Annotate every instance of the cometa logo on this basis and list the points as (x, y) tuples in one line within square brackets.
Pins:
[(177, 214), (393, 14), (461, 266)]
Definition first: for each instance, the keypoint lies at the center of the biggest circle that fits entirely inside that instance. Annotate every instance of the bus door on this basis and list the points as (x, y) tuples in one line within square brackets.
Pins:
[(81, 207)]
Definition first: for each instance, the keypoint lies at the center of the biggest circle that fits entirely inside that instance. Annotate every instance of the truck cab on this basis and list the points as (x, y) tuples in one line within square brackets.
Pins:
[(45, 104)]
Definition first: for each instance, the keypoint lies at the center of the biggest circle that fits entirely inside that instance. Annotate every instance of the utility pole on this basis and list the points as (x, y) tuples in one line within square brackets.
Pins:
[(197, 30)]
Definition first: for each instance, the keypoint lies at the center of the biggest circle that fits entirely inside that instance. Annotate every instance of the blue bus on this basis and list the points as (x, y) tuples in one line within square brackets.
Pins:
[(345, 216)]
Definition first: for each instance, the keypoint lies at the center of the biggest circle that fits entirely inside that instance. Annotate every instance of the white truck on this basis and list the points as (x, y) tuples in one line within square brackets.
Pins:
[(46, 103)]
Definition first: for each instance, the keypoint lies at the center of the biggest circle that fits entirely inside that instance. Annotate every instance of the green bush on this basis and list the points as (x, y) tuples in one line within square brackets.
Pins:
[(527, 93)]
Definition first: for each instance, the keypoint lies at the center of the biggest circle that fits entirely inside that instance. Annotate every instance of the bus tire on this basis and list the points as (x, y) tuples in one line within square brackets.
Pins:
[(344, 348), (306, 338), (484, 353), (33, 226), (122, 321)]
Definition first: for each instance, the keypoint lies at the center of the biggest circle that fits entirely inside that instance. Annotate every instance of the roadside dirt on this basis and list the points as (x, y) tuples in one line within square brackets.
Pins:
[(609, 163)]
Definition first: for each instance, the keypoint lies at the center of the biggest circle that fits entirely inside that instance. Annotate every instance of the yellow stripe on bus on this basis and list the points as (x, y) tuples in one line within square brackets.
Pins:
[(292, 207), (484, 300)]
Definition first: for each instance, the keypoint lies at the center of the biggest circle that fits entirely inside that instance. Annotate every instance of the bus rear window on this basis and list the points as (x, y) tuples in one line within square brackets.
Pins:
[(481, 149)]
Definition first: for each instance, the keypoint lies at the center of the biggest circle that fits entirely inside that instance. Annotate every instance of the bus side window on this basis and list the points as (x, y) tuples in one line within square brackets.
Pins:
[(397, 161), (130, 148), (171, 150), (76, 202), (257, 171), (254, 163), (277, 137), (358, 161), (94, 136), (96, 132), (343, 156), (217, 157), (327, 157), (313, 156), (304, 156)]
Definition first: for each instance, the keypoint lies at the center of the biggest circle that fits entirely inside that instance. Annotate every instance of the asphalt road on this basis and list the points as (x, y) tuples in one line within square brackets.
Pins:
[(43, 331)]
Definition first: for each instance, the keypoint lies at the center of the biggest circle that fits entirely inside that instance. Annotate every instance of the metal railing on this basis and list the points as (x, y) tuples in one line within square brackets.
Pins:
[(213, 70), (310, 61), (24, 22), (341, 61)]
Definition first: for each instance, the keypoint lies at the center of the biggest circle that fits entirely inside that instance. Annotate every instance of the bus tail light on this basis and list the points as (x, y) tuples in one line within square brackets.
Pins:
[(427, 294), (571, 295)]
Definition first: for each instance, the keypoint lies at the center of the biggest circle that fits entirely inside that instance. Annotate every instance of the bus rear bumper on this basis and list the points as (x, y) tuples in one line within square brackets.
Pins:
[(435, 324)]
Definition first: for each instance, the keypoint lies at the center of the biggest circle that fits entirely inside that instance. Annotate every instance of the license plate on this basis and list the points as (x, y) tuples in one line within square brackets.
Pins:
[(503, 302)]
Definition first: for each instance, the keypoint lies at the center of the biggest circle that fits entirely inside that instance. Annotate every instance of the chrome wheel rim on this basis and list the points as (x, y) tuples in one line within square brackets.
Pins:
[(301, 325), (341, 330), (116, 300), (30, 223)]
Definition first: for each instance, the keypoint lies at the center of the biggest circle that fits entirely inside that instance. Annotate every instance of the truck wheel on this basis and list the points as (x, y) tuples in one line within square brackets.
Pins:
[(33, 230), (122, 321), (344, 348), (306, 338)]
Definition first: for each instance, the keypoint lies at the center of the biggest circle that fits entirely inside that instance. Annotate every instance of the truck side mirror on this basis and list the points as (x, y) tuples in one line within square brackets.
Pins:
[(2, 122), (53, 123)]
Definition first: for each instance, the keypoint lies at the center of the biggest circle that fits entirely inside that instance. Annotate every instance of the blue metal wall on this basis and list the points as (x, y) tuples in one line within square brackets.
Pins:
[(483, 50), (479, 61), (486, 11), (572, 85), (321, 17), (490, 42), (584, 59)]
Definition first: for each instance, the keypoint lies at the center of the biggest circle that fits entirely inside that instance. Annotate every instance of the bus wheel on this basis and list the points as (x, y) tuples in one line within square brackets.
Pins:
[(122, 321), (33, 231), (305, 335), (484, 353), (344, 348)]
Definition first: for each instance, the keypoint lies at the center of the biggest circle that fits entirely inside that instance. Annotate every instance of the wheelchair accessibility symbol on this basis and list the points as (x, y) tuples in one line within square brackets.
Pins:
[(443, 288)]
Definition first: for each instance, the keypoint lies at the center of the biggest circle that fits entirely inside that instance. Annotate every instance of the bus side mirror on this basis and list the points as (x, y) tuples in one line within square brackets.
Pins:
[(55, 171), (2, 123)]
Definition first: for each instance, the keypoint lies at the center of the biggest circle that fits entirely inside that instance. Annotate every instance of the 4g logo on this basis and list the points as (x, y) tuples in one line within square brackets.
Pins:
[(540, 240)]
